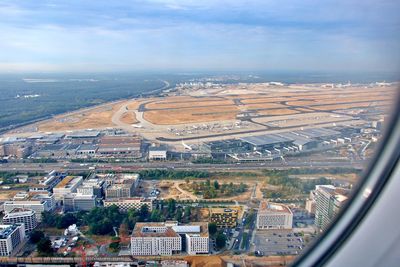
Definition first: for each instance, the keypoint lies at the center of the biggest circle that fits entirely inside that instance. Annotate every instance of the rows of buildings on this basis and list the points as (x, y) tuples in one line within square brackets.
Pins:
[(270, 146), (80, 144)]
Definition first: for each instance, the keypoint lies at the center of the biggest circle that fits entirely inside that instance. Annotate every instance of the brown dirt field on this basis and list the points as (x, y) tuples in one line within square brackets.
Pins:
[(191, 115), (204, 261), (204, 214), (129, 118), (283, 111), (270, 261), (162, 105), (92, 119), (133, 105), (304, 109), (7, 194)]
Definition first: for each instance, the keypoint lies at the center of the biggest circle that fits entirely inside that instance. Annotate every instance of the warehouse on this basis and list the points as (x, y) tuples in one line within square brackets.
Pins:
[(129, 146)]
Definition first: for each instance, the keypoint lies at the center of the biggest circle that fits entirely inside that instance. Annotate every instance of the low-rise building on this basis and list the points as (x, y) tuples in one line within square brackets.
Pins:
[(122, 186), (78, 202), (125, 204), (92, 186), (224, 217), (67, 186), (152, 239), (48, 182), (10, 237), (21, 215), (87, 150), (38, 202), (128, 146), (274, 216), (157, 153)]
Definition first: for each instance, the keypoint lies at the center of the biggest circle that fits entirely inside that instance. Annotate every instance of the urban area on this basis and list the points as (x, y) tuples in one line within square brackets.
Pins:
[(205, 172)]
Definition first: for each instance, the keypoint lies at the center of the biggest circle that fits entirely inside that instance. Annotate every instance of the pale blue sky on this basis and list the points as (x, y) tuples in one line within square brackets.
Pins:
[(106, 35)]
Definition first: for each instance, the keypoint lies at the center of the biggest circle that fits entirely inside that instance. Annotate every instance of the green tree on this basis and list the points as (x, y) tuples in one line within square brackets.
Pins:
[(216, 185), (212, 228), (36, 236), (178, 215), (144, 212), (171, 206), (44, 246), (220, 240), (66, 220)]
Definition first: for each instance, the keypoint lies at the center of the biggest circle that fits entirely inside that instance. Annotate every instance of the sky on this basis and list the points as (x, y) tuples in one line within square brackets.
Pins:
[(192, 35)]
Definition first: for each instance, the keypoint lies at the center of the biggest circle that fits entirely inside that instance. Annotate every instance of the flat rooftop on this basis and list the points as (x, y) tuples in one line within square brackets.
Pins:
[(69, 181), (266, 206), (6, 230), (267, 139)]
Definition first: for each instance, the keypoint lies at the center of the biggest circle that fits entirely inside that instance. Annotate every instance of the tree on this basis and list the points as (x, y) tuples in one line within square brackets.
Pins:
[(216, 185), (36, 236), (144, 212), (178, 215), (44, 246), (66, 220), (49, 219), (156, 216), (212, 228), (171, 204), (220, 240)]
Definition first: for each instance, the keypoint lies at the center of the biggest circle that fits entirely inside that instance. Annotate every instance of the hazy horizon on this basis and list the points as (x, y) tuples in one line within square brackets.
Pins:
[(169, 35)]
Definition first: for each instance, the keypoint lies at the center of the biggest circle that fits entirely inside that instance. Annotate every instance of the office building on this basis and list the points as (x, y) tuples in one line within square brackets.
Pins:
[(328, 201), (92, 186), (78, 202), (152, 239), (122, 186), (67, 186), (125, 204), (21, 215), (274, 216), (38, 202), (10, 237)]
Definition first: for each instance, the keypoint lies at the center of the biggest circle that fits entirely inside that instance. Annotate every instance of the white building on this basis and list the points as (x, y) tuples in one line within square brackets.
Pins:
[(67, 186), (196, 237), (311, 203), (21, 215), (274, 216), (328, 201), (78, 202), (151, 239), (157, 153), (33, 201), (125, 204), (10, 237)]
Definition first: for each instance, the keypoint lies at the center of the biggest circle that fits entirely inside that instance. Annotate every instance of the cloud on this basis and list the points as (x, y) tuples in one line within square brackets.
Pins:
[(171, 34)]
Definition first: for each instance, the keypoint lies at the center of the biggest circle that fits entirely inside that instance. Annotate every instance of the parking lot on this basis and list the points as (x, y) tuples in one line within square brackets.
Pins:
[(278, 242)]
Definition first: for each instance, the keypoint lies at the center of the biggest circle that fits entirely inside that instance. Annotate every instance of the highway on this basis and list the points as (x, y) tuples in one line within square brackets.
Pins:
[(132, 166)]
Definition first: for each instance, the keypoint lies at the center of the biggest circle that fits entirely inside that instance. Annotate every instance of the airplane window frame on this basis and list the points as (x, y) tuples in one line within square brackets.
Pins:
[(374, 178)]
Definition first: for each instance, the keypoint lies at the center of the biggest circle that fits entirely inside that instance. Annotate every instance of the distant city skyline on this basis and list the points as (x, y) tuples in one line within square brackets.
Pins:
[(85, 36)]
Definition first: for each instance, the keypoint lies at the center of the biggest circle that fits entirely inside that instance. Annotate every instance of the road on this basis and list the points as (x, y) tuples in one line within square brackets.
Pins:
[(133, 166)]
